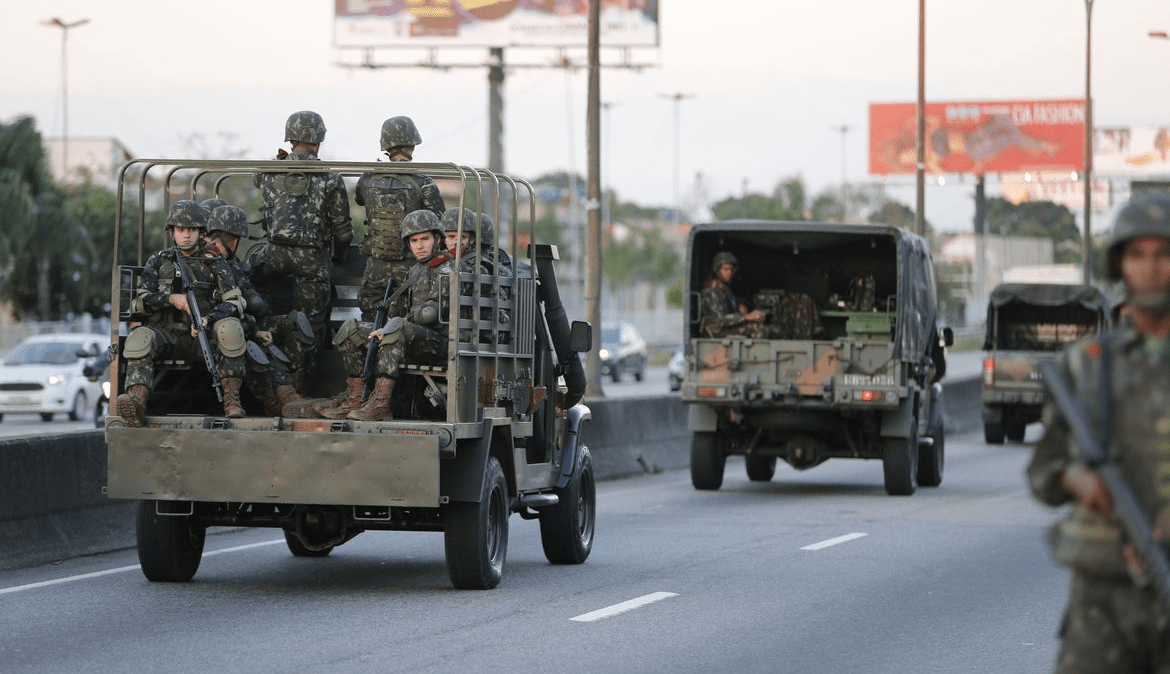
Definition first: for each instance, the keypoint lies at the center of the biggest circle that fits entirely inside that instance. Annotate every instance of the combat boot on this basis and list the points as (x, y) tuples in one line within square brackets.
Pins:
[(351, 401), (232, 409), (377, 408), (293, 405), (132, 405)]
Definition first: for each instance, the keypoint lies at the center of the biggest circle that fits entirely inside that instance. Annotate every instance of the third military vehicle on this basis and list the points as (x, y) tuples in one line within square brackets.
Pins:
[(1028, 323), (854, 374)]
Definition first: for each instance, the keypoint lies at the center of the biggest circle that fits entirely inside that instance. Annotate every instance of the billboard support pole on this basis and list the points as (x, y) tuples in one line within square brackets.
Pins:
[(920, 179), (496, 110), (1086, 237)]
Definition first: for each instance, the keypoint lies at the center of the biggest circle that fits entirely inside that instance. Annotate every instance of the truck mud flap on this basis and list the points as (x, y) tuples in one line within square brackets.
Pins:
[(896, 424), (286, 467)]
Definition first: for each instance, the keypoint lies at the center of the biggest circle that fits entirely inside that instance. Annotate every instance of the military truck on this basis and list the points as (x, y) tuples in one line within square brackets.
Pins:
[(495, 430), (860, 380), (1028, 323)]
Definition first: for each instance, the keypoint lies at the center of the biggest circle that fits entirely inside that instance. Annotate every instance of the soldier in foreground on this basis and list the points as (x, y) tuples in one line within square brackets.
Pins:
[(169, 329), (388, 198), (306, 221), (1115, 621), (414, 330)]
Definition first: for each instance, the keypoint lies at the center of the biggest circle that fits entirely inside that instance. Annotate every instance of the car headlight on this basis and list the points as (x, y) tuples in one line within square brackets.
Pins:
[(56, 379), (604, 354), (106, 389)]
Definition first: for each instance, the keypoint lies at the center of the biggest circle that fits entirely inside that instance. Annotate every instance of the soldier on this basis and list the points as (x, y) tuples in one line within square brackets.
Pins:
[(387, 199), (269, 379), (721, 314), (1114, 621), (415, 329), (306, 216), (486, 251), (167, 331)]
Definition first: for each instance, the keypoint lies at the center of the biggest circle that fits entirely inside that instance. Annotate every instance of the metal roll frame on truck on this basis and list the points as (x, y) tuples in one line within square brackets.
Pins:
[(497, 429), (866, 385)]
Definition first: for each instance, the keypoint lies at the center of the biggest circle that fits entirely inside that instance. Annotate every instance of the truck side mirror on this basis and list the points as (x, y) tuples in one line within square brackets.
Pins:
[(948, 336), (580, 337)]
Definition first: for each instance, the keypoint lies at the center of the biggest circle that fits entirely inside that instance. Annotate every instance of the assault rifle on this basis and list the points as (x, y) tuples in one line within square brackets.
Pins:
[(197, 324), (1126, 507), (368, 369)]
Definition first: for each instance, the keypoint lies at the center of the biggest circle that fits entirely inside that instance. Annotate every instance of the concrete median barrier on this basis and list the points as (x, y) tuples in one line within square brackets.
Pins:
[(52, 506)]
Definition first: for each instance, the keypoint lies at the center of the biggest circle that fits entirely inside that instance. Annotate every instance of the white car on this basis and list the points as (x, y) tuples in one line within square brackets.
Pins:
[(45, 375)]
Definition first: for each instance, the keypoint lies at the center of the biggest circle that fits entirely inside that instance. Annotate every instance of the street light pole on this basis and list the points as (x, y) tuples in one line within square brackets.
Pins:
[(1086, 243), (64, 26), (843, 129), (678, 97)]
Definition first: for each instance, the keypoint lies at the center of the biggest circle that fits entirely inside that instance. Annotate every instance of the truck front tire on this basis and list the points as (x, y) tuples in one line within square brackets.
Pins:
[(566, 529)]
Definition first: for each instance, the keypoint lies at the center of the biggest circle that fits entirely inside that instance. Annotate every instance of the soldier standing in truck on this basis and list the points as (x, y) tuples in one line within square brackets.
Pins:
[(306, 221), (387, 198), (161, 300), (1115, 621), (722, 314), (413, 331)]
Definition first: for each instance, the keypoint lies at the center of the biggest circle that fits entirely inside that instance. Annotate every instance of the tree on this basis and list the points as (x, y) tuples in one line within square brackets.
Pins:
[(1043, 219), (788, 201), (31, 209)]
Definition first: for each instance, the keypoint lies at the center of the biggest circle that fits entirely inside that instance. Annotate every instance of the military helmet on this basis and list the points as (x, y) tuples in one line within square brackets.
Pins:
[(421, 221), (305, 126), (230, 219), (212, 203), (398, 131), (451, 220), (1146, 215), (187, 213), (485, 227), (723, 257)]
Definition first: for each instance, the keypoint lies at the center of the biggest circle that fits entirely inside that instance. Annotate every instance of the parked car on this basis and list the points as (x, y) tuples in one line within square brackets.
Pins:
[(622, 350), (45, 374), (674, 369)]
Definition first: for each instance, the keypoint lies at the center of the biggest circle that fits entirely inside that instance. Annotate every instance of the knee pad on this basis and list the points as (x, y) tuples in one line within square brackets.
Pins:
[(139, 343), (257, 360), (229, 337)]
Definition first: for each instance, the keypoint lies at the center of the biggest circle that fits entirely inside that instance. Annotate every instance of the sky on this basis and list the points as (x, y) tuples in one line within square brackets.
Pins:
[(769, 84)]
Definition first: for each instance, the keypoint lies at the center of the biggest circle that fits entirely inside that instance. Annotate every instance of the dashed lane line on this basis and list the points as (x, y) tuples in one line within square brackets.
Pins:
[(630, 605), (834, 541)]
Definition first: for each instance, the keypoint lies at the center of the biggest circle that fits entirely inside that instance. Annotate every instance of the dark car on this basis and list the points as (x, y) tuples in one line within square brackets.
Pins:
[(622, 350)]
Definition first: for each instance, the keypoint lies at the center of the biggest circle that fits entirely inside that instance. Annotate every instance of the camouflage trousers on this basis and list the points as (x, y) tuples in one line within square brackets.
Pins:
[(795, 316), (374, 278), (412, 343), (178, 344), (309, 271), (1112, 626)]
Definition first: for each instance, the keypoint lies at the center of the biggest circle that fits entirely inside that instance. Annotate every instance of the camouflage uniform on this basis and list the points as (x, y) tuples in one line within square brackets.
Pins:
[(304, 216), (720, 316), (387, 199), (1114, 621), (484, 259), (788, 315)]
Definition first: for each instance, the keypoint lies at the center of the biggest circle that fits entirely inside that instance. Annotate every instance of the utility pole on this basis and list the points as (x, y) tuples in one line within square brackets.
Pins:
[(593, 207), (64, 26), (843, 129), (678, 97)]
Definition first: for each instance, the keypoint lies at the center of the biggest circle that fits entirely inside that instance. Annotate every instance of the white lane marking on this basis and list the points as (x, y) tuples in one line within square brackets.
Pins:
[(833, 541), (120, 569), (623, 607)]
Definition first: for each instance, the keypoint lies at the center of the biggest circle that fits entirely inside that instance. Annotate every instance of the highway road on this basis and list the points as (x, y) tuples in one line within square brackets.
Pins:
[(818, 571)]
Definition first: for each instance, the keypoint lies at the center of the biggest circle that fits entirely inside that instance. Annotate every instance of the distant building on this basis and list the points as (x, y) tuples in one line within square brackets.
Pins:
[(94, 158)]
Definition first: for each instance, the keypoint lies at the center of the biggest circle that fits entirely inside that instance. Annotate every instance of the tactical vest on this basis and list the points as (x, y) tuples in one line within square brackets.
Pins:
[(388, 199), (295, 203)]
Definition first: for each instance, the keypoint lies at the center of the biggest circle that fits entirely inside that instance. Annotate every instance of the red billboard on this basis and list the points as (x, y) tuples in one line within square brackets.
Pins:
[(979, 137)]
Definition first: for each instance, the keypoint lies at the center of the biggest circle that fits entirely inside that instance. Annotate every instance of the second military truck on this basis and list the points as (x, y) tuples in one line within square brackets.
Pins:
[(859, 378)]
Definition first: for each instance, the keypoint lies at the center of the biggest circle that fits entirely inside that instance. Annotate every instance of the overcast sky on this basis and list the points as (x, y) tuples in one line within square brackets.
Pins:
[(770, 79)]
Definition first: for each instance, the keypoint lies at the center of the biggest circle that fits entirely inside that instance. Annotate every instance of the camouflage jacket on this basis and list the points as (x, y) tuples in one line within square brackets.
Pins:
[(305, 209), (216, 288), (425, 293), (1139, 437), (719, 309), (387, 198)]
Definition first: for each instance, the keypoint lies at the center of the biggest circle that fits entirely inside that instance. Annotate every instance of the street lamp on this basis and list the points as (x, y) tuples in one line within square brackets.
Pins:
[(64, 26), (677, 97), (843, 129), (1086, 248)]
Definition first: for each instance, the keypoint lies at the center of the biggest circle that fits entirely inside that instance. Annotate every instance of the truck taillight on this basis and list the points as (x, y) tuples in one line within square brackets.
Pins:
[(870, 396), (711, 391), (989, 372)]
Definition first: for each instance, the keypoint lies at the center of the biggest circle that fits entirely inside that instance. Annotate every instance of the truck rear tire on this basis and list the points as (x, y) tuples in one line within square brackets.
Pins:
[(900, 463), (170, 547), (930, 460), (993, 433), (566, 529), (707, 460), (475, 535), (760, 468), (1015, 431), (298, 549)]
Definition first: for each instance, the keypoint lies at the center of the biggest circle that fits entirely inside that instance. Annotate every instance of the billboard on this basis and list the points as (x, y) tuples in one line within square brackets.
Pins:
[(491, 23), (1131, 151), (979, 137)]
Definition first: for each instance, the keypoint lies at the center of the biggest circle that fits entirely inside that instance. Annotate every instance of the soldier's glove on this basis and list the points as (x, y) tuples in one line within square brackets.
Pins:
[(282, 154)]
